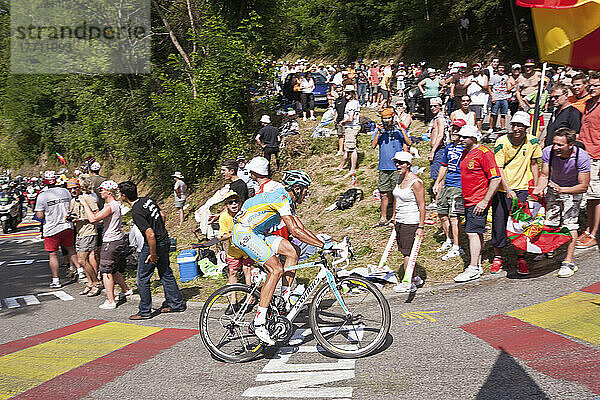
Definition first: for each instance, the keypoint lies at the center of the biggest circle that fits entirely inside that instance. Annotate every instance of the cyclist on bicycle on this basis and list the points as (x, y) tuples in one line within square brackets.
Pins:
[(258, 215)]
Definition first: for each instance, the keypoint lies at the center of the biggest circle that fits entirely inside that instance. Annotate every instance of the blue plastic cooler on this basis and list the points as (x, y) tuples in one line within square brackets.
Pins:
[(188, 267)]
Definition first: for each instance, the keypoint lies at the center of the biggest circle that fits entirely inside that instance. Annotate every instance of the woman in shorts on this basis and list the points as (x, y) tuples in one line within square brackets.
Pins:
[(409, 212), (113, 245)]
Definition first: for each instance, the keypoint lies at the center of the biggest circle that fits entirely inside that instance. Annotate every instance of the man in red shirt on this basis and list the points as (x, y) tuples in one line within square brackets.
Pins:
[(480, 179), (589, 135)]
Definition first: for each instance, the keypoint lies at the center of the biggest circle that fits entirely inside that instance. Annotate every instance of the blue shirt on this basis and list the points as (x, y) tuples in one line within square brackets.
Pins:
[(451, 159), (389, 143)]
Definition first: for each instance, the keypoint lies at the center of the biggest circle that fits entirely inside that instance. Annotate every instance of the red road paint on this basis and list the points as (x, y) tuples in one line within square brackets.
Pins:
[(595, 288), (24, 343), (79, 382), (544, 351)]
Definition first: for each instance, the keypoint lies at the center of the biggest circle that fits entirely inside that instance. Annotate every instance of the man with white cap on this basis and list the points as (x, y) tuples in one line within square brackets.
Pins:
[(52, 206), (96, 179), (259, 172), (480, 179), (179, 194), (517, 156), (268, 139), (351, 127)]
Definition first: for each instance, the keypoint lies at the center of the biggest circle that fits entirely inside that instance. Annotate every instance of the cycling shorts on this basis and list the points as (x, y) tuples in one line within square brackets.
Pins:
[(258, 247)]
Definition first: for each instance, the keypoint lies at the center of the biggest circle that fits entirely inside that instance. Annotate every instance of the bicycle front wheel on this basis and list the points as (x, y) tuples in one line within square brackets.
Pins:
[(358, 332), (225, 323)]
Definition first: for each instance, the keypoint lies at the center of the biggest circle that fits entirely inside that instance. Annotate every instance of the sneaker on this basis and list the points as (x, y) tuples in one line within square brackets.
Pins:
[(82, 277), (550, 254), (585, 241), (447, 245), (123, 295), (417, 281), (55, 285), (469, 274), (405, 287), (263, 334), (452, 253), (107, 305), (522, 267), (496, 265), (304, 119), (567, 269), (431, 206), (312, 118), (339, 153)]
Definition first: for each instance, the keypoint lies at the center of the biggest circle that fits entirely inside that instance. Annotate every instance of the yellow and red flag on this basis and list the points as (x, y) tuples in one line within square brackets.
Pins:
[(567, 31)]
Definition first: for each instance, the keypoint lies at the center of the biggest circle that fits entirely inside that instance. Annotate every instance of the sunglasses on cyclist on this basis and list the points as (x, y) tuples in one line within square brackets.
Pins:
[(233, 201)]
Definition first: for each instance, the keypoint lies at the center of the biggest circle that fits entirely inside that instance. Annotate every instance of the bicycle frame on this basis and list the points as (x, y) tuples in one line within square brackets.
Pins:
[(324, 273)]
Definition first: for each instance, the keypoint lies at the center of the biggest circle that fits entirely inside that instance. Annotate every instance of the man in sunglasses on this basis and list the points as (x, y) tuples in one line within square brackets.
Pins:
[(564, 114)]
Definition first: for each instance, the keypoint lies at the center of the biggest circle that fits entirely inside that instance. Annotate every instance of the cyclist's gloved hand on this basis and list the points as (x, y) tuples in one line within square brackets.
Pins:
[(327, 245)]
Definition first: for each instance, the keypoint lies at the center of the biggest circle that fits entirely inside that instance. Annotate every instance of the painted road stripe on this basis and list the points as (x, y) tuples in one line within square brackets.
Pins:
[(544, 351), (595, 288), (79, 382), (16, 235), (576, 315), (30, 367)]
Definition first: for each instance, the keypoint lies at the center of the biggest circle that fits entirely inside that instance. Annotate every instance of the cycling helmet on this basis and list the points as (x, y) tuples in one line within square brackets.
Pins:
[(295, 177)]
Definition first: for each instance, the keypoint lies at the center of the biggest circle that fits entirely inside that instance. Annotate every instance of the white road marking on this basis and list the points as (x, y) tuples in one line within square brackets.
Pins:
[(302, 380), (30, 299), (58, 293), (21, 262)]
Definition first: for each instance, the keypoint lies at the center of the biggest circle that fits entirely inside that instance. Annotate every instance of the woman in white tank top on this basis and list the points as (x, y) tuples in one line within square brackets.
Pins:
[(409, 206), (112, 242)]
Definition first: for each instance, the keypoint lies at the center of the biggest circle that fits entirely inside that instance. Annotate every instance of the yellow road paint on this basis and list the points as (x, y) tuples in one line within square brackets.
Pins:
[(576, 315), (30, 367), (417, 316)]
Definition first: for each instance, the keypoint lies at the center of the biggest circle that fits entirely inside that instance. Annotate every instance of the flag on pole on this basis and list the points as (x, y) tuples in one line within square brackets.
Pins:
[(61, 158), (527, 232), (567, 31)]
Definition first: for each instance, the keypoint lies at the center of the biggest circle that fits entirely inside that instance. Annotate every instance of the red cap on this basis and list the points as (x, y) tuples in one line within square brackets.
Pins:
[(459, 122)]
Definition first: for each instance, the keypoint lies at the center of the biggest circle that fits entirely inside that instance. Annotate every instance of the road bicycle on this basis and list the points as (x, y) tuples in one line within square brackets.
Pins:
[(348, 316)]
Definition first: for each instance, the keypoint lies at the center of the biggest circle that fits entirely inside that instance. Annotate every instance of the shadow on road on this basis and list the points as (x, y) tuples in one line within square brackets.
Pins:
[(508, 380)]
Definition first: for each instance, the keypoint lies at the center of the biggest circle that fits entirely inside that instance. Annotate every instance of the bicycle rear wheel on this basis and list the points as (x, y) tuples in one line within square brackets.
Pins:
[(225, 321), (358, 333)]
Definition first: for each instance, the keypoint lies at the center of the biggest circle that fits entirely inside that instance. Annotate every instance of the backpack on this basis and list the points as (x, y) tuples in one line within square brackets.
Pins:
[(348, 198)]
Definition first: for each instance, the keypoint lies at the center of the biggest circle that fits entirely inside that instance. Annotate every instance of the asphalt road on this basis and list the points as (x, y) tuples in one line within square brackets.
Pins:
[(431, 352)]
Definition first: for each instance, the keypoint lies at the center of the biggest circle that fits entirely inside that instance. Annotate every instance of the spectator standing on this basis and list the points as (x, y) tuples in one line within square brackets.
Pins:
[(430, 89), (362, 82), (480, 179), (385, 87), (517, 155), (464, 28), (499, 98), (580, 94), (374, 82), (150, 220), (259, 171), (244, 174), (229, 173), (96, 179), (564, 179), (268, 139), (477, 89), (439, 132), (402, 119), (339, 108), (351, 127), (390, 140), (179, 194), (589, 135), (564, 115), (52, 207), (464, 112), (527, 83), (111, 255), (448, 191), (512, 87), (307, 85), (237, 260), (86, 236), (458, 85), (409, 212)]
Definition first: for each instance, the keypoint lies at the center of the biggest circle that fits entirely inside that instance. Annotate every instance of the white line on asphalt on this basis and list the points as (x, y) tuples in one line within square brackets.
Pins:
[(30, 299)]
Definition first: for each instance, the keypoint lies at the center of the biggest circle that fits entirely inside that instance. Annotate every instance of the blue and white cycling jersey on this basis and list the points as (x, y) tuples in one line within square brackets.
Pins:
[(264, 211)]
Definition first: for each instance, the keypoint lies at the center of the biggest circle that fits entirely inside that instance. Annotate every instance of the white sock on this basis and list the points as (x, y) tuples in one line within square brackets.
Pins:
[(455, 247), (285, 292), (261, 316), (80, 270), (55, 280)]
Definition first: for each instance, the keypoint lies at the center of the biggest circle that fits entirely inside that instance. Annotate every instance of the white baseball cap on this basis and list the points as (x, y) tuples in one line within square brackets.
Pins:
[(109, 185), (349, 88), (435, 101), (470, 131), (521, 117), (403, 156), (259, 165), (95, 166), (265, 119)]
